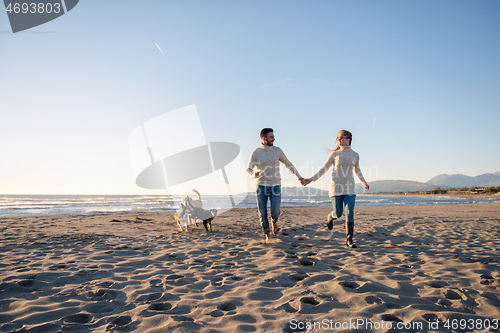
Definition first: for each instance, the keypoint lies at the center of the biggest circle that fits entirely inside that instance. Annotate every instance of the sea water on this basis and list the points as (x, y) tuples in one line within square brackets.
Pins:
[(49, 205)]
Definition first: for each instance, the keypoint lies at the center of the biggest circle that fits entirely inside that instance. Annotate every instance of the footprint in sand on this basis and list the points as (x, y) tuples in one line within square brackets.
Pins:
[(106, 284), (487, 279), (373, 300), (103, 294), (181, 309), (182, 318), (155, 283), (26, 283), (149, 298), (57, 266), (349, 285), (79, 318), (443, 302), (304, 261), (227, 306), (288, 308), (299, 276), (309, 301), (392, 306), (174, 277), (160, 306), (391, 317), (216, 313), (101, 307), (438, 284), (450, 294), (121, 320), (217, 281), (430, 317), (214, 294), (245, 318), (200, 261), (271, 281), (236, 278), (245, 328), (265, 294)]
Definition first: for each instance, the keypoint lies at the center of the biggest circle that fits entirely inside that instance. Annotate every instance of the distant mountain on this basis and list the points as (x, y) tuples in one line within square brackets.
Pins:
[(397, 186), (458, 180)]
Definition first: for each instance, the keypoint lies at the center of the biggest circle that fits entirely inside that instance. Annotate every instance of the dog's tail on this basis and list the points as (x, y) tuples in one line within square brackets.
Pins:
[(198, 193)]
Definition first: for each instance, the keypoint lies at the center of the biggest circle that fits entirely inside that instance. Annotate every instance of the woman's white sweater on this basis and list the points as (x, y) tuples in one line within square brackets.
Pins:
[(344, 161)]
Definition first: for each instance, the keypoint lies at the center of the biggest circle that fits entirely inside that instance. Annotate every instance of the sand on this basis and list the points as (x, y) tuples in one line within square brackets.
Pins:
[(427, 266)]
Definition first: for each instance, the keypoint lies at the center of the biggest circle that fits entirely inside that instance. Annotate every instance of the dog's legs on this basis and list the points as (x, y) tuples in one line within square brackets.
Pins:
[(178, 222)]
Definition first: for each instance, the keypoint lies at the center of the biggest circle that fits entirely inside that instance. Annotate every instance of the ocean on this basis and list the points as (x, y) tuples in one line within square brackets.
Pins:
[(50, 205)]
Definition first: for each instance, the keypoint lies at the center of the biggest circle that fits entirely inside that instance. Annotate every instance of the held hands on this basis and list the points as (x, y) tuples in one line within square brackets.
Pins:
[(305, 182)]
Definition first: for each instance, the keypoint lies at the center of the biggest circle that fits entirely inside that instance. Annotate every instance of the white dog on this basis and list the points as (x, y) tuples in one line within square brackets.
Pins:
[(192, 212), (187, 200)]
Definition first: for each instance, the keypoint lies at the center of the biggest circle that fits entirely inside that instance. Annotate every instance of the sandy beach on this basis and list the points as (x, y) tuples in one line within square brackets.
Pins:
[(428, 265)]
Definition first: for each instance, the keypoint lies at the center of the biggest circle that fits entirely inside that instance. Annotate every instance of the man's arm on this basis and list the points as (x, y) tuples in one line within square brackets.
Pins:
[(251, 166), (283, 159)]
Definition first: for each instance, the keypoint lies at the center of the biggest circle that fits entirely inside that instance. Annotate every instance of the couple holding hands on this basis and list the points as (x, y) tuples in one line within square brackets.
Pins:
[(345, 161)]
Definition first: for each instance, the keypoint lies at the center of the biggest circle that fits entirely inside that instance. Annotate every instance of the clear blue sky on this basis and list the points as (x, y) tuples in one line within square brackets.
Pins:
[(417, 82)]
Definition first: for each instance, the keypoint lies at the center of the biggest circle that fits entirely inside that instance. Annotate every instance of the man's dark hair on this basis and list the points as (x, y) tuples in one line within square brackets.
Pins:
[(265, 132)]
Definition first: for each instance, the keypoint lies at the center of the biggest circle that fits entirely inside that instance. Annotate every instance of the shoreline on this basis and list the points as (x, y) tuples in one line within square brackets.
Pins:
[(465, 196), (172, 211), (138, 272)]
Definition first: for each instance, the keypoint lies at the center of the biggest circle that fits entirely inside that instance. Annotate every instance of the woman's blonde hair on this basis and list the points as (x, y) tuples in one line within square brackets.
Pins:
[(337, 142)]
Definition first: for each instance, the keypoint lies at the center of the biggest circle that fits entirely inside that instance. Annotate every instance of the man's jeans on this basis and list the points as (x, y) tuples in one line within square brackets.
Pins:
[(273, 193), (339, 201)]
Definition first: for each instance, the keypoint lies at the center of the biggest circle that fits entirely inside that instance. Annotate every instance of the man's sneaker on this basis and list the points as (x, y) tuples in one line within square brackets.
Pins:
[(329, 221)]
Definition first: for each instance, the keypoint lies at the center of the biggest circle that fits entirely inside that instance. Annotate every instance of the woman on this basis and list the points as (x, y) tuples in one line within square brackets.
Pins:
[(342, 189)]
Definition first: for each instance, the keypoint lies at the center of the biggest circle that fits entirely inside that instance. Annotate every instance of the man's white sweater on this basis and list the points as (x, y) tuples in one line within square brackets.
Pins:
[(266, 159), (344, 161)]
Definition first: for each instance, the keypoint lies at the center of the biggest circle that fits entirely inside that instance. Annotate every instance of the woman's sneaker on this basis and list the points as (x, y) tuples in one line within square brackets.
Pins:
[(350, 243)]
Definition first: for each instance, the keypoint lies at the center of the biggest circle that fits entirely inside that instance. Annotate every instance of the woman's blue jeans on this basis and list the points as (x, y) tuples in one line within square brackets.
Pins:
[(341, 201), (273, 194)]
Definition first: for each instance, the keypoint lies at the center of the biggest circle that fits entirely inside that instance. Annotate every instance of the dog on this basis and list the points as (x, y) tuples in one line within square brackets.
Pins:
[(192, 212), (183, 216), (194, 202)]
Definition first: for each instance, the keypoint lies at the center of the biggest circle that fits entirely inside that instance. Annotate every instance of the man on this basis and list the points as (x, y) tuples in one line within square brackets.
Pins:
[(266, 159)]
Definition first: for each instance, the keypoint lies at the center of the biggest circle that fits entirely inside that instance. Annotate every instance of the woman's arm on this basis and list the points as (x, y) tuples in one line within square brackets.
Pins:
[(357, 170), (325, 167)]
